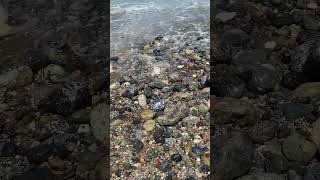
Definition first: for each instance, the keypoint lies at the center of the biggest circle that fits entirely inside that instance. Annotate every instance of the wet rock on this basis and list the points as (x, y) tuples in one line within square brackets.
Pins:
[(9, 149), (130, 92), (64, 101), (227, 85), (307, 90), (296, 110), (225, 16), (260, 176), (176, 157), (147, 114), (198, 150), (158, 135), (233, 155), (149, 125), (297, 148), (311, 22), (174, 117), (263, 78), (25, 76), (37, 174), (231, 110), (283, 20), (90, 158), (315, 133), (204, 168), (36, 60), (81, 116), (307, 35), (205, 81), (101, 169), (52, 72), (274, 160), (179, 87), (142, 100), (41, 153), (263, 131), (190, 121), (8, 79), (137, 145), (312, 65), (157, 104), (312, 173), (99, 118), (247, 58), (292, 80)]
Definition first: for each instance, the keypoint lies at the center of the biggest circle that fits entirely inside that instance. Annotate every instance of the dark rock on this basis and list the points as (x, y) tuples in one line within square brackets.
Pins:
[(312, 173), (9, 149), (274, 160), (311, 67), (157, 104), (91, 158), (297, 148), (263, 78), (41, 153), (171, 176), (137, 145), (37, 174), (285, 55), (148, 92), (263, 131), (232, 41), (157, 84), (292, 80), (232, 155), (247, 58), (307, 35), (158, 135), (165, 166), (176, 157), (179, 87), (198, 150), (296, 110), (204, 168), (262, 176), (36, 60), (231, 110), (130, 92), (205, 81), (64, 101), (190, 178), (168, 132), (283, 20), (227, 85)]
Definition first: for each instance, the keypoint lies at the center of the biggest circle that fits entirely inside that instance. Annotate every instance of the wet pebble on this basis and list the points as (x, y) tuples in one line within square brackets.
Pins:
[(176, 157), (158, 135), (157, 104), (137, 145)]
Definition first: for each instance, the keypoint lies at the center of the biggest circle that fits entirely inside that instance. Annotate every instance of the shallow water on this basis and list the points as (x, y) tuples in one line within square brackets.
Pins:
[(137, 21)]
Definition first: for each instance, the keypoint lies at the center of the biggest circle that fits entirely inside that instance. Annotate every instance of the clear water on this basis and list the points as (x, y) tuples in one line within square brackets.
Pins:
[(137, 21)]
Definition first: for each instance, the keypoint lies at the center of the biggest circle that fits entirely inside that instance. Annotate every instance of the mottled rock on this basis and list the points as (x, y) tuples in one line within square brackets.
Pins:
[(99, 119), (297, 148), (64, 101), (231, 110), (232, 155)]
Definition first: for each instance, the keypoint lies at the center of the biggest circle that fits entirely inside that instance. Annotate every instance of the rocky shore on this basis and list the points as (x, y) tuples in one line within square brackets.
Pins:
[(53, 90), (160, 110), (266, 94)]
